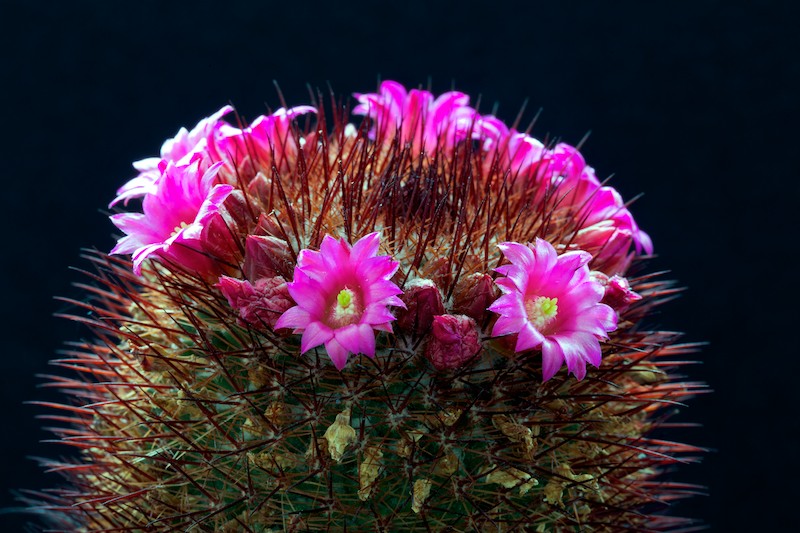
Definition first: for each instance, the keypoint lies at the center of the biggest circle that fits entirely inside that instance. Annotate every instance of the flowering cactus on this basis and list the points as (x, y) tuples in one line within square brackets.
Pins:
[(319, 325)]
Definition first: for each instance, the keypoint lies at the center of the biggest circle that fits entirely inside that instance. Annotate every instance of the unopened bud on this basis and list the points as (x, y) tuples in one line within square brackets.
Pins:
[(423, 301), (608, 244), (473, 294), (618, 295), (219, 239), (453, 342), (259, 186), (266, 257), (259, 304)]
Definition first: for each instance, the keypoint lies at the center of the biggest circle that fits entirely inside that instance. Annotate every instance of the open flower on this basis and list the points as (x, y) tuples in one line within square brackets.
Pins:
[(179, 150), (520, 153), (343, 295), (551, 301), (417, 117), (269, 140), (184, 199)]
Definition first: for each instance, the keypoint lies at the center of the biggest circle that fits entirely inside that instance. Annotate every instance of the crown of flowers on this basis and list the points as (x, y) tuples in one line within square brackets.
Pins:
[(321, 258)]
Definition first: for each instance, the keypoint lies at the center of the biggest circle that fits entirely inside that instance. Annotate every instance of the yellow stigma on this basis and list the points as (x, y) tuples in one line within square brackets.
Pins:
[(347, 308), (344, 298), (541, 311)]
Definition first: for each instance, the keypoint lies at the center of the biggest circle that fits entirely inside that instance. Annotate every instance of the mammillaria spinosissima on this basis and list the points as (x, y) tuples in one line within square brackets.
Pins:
[(376, 327)]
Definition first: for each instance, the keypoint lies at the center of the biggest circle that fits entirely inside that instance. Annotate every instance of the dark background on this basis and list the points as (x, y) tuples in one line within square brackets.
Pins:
[(694, 104)]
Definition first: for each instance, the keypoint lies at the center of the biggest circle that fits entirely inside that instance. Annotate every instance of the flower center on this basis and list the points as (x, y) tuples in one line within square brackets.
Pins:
[(541, 311), (347, 309)]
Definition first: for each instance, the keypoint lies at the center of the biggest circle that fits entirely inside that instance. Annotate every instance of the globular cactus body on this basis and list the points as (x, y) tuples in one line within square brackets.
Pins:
[(200, 407)]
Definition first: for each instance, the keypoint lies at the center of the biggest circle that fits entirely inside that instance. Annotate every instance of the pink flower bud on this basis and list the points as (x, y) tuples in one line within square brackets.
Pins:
[(453, 342), (618, 294), (220, 241), (259, 305), (266, 257), (423, 301), (608, 245), (259, 186), (473, 294), (220, 236)]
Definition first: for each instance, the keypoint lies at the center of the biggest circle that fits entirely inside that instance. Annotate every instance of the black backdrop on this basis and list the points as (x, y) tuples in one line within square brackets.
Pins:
[(693, 103)]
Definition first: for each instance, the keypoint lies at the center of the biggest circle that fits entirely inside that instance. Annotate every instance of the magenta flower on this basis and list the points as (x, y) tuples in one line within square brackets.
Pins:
[(418, 118), (343, 295), (179, 150), (518, 152), (184, 199), (269, 140), (551, 301)]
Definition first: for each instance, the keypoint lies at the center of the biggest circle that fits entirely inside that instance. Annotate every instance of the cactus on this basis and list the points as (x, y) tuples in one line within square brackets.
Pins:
[(330, 326)]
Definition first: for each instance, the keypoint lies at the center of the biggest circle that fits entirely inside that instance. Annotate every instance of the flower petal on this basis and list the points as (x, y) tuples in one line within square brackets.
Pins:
[(315, 333)]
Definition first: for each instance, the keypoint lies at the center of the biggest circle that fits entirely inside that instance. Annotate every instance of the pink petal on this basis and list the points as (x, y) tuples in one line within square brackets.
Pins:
[(365, 247), (337, 353), (509, 305), (376, 314), (307, 293), (295, 317), (577, 348), (508, 325), (528, 338), (552, 359), (519, 254), (315, 334)]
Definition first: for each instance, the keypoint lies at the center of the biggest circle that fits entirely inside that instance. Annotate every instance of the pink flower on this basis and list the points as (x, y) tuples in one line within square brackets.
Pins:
[(269, 139), (343, 295), (184, 199), (416, 117), (454, 341), (606, 227), (551, 301), (259, 305), (179, 150), (519, 153), (608, 230)]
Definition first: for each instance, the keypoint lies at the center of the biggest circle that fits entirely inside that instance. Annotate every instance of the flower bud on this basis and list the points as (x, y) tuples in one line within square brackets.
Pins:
[(220, 235), (473, 294), (453, 342), (618, 294), (259, 304), (423, 301), (218, 239), (267, 257), (608, 244), (259, 186)]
